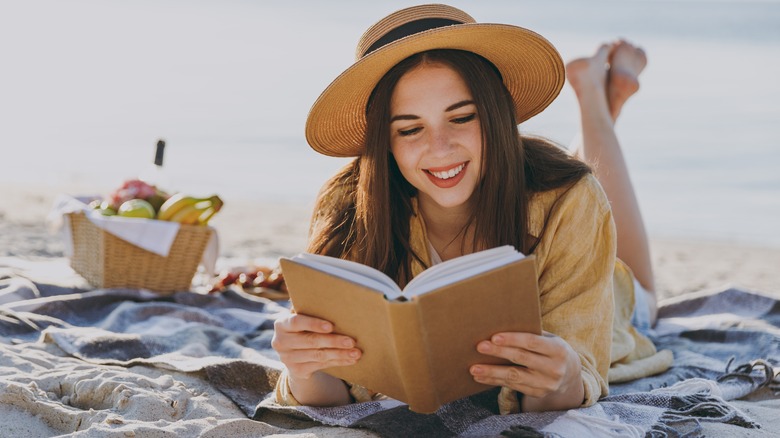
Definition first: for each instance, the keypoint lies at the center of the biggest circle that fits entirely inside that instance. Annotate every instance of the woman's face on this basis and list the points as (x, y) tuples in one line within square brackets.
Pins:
[(435, 135)]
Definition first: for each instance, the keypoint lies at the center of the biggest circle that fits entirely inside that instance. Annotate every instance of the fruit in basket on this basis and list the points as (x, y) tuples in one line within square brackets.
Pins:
[(189, 210), (157, 200), (136, 208), (102, 207), (136, 189), (108, 211), (176, 204)]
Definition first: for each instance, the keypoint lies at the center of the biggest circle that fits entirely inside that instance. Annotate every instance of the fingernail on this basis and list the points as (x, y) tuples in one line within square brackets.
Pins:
[(346, 342), (354, 354), (484, 347), (498, 339), (476, 370), (326, 326)]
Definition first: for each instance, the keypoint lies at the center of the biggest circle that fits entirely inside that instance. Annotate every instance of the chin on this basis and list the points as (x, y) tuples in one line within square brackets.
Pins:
[(451, 201)]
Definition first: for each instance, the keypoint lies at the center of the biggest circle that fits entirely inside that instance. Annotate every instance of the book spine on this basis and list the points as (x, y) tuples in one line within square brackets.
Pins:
[(412, 353)]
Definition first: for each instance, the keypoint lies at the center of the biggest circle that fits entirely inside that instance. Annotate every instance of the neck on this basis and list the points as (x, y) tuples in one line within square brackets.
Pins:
[(447, 228)]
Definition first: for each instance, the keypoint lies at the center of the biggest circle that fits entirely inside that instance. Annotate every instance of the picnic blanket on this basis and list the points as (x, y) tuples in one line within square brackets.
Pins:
[(724, 381)]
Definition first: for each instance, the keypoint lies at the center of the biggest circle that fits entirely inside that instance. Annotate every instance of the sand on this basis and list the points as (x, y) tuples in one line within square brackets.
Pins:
[(144, 401), (263, 231), (108, 401)]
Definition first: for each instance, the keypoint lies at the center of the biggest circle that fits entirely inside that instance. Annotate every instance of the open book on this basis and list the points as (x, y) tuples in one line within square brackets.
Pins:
[(418, 344)]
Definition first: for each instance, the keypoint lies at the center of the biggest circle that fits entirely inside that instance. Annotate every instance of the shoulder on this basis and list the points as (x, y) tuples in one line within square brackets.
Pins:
[(584, 198)]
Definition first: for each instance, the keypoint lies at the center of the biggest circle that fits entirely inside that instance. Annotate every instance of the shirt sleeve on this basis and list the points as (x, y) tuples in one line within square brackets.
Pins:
[(284, 396), (576, 260)]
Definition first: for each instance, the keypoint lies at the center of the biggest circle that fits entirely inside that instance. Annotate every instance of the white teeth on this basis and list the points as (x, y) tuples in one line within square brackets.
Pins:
[(449, 173)]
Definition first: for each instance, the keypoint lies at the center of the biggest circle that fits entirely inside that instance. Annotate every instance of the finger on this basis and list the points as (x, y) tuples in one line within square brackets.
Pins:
[(516, 355), (300, 323), (309, 340), (547, 345), (514, 377), (323, 357), (307, 369), (501, 375)]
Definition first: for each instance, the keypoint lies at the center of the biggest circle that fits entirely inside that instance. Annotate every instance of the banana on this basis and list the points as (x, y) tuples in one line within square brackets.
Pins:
[(216, 205), (175, 204), (189, 210), (206, 215), (188, 215)]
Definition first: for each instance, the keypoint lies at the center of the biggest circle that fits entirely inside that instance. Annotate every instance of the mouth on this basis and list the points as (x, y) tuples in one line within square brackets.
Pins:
[(447, 173), (448, 176)]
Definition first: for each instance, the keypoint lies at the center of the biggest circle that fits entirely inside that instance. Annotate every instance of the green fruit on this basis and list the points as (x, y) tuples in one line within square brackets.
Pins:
[(156, 201), (136, 208), (103, 207)]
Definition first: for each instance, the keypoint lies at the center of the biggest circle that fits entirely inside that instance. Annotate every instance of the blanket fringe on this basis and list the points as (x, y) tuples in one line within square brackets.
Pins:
[(683, 417), (770, 378), (17, 318)]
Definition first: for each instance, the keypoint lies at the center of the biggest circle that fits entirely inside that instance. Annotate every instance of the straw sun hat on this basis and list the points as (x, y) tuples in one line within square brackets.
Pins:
[(532, 69)]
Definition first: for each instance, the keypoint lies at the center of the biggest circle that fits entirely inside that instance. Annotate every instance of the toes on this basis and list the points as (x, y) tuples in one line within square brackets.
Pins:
[(604, 51), (628, 58)]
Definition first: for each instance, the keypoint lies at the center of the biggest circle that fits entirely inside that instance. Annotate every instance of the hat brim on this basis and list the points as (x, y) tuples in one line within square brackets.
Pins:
[(531, 68)]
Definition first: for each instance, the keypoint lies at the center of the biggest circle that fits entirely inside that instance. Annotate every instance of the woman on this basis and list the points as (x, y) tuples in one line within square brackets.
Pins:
[(431, 109)]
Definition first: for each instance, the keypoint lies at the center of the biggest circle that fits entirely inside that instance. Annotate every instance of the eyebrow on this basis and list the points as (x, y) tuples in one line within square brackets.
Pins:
[(452, 107)]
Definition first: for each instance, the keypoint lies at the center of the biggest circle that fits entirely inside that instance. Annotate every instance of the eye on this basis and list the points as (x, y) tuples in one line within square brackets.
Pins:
[(464, 119), (408, 132)]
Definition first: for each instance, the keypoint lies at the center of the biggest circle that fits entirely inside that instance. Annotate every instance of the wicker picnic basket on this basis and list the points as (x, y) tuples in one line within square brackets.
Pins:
[(105, 260)]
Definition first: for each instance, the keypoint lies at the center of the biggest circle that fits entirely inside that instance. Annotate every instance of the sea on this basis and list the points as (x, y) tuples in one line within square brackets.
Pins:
[(88, 87)]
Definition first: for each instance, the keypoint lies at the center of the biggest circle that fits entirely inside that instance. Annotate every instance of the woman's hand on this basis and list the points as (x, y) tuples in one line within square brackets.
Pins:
[(307, 345), (547, 370)]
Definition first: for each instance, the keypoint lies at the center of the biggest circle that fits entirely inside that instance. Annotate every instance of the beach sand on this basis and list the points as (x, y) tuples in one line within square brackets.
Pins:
[(254, 232)]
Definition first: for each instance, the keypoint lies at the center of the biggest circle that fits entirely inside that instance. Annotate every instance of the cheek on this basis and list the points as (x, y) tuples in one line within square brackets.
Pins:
[(405, 158)]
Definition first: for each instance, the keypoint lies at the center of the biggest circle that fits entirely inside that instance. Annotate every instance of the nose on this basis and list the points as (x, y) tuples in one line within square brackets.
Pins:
[(440, 142)]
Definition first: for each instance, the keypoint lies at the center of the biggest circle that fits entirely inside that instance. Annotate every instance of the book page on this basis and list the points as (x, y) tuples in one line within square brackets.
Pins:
[(460, 315), (435, 277), (461, 268), (352, 271)]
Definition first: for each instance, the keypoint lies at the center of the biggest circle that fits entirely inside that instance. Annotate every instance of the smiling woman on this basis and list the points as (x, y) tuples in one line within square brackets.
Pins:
[(430, 110)]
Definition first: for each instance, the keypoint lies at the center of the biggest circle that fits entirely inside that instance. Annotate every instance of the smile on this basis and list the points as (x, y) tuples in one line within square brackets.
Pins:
[(447, 174), (447, 177)]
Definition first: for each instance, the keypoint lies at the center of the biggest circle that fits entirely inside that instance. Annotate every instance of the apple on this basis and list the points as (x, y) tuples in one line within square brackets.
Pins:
[(136, 208), (103, 207)]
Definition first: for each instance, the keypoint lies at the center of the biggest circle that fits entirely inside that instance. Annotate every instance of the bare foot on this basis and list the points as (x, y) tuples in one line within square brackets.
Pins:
[(626, 62), (588, 75)]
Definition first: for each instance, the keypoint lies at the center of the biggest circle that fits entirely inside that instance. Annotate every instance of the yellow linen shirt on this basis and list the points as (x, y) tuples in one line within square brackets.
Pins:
[(586, 293)]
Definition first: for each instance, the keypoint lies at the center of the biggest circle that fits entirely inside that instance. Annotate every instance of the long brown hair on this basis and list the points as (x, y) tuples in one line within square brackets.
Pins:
[(363, 212)]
